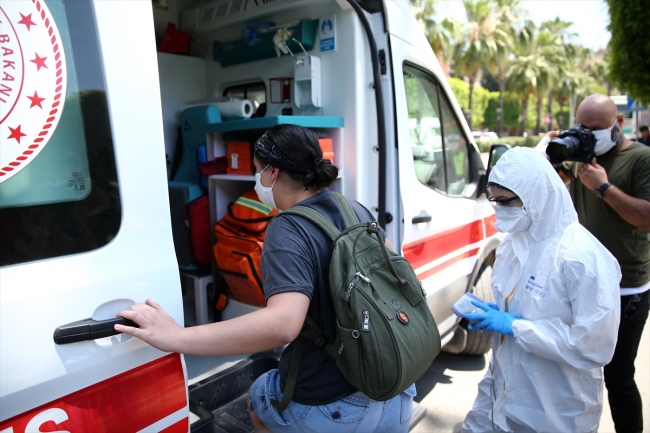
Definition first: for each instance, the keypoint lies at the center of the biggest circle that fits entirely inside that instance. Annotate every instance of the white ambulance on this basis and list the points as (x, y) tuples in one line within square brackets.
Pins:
[(89, 110)]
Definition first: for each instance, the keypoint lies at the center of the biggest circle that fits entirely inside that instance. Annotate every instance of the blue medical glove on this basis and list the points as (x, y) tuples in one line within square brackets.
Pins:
[(492, 320), (492, 305)]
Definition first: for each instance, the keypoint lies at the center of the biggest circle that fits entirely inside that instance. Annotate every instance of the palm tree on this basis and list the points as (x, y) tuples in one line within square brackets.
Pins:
[(507, 12), (550, 47), (444, 37), (527, 69), (599, 70), (478, 45), (557, 52)]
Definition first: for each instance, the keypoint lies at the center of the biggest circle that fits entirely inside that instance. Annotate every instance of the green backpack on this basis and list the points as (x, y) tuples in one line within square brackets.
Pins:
[(386, 335)]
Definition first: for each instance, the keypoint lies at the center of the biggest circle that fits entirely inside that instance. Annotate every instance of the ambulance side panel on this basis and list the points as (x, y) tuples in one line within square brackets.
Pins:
[(112, 383)]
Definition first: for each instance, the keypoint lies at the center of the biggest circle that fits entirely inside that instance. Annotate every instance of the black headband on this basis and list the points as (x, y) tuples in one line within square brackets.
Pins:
[(270, 153)]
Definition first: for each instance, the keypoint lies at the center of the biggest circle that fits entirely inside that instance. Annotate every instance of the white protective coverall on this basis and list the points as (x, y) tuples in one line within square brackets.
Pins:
[(564, 284)]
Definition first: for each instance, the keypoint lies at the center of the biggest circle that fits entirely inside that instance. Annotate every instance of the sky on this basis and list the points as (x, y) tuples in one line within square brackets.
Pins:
[(589, 17)]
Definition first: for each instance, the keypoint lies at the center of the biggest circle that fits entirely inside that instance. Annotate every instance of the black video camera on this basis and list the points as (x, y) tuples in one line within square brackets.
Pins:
[(575, 144)]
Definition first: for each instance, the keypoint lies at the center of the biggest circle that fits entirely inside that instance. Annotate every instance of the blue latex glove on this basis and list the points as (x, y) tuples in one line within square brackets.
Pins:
[(492, 320)]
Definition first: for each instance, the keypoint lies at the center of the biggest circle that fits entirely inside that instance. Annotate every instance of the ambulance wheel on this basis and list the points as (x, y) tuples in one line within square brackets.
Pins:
[(479, 342)]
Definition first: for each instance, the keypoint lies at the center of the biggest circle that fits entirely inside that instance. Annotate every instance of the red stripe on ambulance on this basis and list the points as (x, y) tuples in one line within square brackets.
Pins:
[(427, 250), (490, 230), (443, 265), (128, 402)]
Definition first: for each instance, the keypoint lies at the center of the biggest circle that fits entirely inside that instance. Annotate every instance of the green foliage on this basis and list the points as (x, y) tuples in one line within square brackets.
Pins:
[(480, 101), (511, 111), (461, 91), (629, 47)]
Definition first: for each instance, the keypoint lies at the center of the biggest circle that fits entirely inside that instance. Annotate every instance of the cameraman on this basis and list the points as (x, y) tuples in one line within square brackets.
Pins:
[(612, 198)]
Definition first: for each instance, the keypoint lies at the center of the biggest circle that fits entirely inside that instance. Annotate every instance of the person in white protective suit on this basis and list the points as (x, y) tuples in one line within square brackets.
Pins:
[(556, 311)]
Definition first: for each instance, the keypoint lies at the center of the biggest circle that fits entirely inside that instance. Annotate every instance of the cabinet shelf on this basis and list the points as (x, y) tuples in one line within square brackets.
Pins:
[(269, 122), (235, 177), (239, 177)]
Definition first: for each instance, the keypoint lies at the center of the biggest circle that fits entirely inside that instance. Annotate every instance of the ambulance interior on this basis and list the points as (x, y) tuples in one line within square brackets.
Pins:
[(223, 53)]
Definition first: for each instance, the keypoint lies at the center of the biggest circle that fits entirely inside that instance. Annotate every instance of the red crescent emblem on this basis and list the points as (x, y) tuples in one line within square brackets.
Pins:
[(33, 82)]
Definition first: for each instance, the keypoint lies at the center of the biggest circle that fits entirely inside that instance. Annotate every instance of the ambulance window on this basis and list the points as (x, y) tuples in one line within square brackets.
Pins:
[(440, 154), (254, 92), (424, 123), (457, 160), (59, 192)]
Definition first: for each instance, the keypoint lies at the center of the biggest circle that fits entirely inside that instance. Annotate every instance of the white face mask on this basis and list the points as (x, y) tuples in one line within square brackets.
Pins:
[(606, 139), (265, 194), (512, 219)]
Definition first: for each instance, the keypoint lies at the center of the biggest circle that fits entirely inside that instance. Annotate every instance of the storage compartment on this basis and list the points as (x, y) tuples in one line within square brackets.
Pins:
[(220, 400), (245, 50)]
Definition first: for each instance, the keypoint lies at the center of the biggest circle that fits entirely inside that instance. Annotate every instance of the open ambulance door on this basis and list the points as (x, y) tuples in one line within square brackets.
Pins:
[(84, 221), (442, 227)]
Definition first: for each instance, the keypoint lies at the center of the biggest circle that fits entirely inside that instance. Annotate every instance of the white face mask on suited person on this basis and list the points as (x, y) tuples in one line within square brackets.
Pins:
[(512, 219), (547, 206)]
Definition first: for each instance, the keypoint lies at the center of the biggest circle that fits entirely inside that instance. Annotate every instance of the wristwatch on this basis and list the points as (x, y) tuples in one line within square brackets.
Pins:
[(598, 192)]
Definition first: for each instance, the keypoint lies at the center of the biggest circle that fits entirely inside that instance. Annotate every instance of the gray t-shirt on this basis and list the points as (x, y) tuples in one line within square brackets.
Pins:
[(296, 258)]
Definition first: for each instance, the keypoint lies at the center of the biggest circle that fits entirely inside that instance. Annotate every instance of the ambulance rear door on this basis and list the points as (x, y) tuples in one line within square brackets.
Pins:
[(84, 221)]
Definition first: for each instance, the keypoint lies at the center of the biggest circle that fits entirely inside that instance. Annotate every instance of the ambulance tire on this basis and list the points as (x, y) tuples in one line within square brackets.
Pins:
[(478, 341)]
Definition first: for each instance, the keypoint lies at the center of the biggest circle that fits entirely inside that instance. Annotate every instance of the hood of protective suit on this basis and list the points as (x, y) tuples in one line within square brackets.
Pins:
[(529, 175)]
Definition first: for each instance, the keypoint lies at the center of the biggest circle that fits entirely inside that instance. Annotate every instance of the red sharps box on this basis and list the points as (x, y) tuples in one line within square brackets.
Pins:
[(240, 158), (327, 148)]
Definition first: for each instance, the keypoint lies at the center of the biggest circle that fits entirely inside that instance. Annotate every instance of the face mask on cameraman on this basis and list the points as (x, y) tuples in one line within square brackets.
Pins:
[(606, 139)]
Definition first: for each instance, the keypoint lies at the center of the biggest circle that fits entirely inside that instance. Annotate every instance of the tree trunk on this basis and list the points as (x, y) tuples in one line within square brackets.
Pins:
[(538, 125), (524, 114), (549, 111), (502, 90), (469, 108)]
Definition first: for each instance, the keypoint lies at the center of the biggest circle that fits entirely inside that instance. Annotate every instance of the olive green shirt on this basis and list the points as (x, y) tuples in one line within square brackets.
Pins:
[(629, 171)]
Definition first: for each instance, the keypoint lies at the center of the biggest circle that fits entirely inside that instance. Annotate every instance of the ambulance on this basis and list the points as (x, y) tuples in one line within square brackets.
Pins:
[(92, 96)]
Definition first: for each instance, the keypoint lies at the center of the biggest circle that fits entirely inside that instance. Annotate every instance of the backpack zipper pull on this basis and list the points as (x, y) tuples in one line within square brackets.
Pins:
[(366, 321), (363, 277), (348, 292), (341, 349)]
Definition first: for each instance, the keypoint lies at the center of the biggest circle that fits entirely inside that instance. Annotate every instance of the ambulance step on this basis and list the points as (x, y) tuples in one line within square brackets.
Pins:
[(233, 417)]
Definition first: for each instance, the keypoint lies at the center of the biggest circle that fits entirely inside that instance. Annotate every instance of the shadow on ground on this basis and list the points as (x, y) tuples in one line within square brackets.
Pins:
[(446, 361)]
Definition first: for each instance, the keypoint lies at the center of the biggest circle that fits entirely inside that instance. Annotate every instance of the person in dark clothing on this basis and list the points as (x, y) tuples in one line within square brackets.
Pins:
[(612, 197), (645, 135), (290, 170)]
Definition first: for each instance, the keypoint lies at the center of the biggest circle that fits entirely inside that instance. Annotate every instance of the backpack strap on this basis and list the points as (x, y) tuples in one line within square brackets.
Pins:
[(315, 217), (346, 209), (313, 333)]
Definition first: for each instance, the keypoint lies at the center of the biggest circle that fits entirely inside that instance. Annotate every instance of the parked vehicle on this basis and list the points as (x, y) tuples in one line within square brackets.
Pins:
[(87, 119)]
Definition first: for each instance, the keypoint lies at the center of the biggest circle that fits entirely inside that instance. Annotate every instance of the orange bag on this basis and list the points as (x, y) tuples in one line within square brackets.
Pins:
[(238, 250)]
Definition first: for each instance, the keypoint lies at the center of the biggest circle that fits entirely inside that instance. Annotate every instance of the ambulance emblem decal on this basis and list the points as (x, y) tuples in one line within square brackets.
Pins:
[(33, 81)]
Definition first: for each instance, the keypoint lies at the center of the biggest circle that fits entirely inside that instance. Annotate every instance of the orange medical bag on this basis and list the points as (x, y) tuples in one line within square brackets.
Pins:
[(238, 250)]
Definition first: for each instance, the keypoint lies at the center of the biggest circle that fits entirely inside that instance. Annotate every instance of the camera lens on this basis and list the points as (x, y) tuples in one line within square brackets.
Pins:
[(561, 149)]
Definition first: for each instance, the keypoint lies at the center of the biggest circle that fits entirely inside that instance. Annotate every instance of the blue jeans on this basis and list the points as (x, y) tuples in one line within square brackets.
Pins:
[(354, 413)]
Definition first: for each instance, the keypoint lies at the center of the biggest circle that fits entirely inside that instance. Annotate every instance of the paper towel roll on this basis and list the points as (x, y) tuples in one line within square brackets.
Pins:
[(235, 109)]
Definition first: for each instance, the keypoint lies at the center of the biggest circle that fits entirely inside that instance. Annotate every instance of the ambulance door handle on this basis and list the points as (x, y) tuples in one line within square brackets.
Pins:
[(89, 329), (421, 219)]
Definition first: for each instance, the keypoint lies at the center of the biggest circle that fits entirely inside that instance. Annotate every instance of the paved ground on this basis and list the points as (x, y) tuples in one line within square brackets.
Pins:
[(448, 390)]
